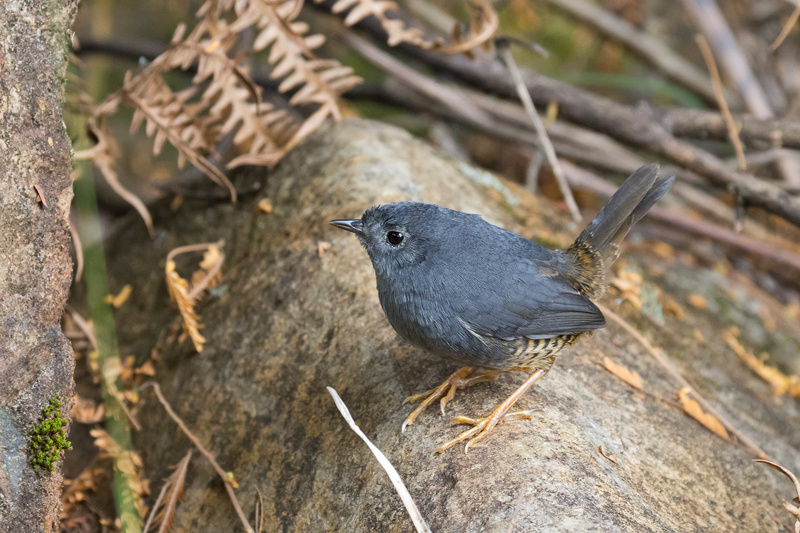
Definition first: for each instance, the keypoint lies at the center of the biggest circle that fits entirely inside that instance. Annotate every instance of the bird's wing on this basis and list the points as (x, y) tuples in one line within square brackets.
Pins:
[(533, 301)]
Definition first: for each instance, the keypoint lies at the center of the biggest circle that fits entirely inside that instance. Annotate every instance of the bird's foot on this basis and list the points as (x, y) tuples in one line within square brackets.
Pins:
[(483, 426), (445, 392)]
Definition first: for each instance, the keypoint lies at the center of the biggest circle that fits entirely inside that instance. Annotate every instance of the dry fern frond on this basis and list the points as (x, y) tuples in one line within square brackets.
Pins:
[(179, 293), (127, 462), (223, 99), (186, 296), (483, 25), (76, 490), (163, 512)]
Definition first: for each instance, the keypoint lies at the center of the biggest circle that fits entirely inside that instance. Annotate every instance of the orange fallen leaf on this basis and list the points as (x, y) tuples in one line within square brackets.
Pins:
[(781, 383), (663, 250), (693, 409), (176, 203), (611, 458), (119, 299), (673, 308), (698, 335), (265, 205), (695, 300), (631, 377), (322, 247)]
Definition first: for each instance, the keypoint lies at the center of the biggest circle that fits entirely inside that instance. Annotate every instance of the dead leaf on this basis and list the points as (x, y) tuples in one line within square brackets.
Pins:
[(631, 377), (611, 458), (698, 335), (663, 250), (119, 299), (265, 205), (40, 195), (322, 247), (629, 283), (672, 307), (179, 293), (695, 300), (693, 409), (86, 411), (176, 203), (781, 383)]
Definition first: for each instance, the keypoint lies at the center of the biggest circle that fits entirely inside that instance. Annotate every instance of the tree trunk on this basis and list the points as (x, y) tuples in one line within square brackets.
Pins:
[(292, 317), (36, 360)]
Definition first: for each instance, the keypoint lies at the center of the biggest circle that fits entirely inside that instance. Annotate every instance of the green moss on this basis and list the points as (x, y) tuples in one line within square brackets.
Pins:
[(48, 438)]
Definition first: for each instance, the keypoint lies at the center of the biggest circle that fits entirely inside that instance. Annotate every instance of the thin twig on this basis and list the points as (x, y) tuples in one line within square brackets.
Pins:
[(541, 132), (226, 480), (631, 125), (416, 517), (82, 325), (76, 242), (751, 446), (716, 83), (786, 28)]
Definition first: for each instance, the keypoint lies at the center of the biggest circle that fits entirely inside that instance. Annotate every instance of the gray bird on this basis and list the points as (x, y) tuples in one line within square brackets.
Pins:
[(463, 289)]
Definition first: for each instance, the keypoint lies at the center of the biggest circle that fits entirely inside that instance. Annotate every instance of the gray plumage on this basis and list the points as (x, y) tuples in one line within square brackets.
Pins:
[(469, 291)]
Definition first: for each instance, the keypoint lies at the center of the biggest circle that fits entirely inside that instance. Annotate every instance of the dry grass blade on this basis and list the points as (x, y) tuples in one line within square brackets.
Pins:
[(416, 517), (787, 28), (541, 133), (76, 243), (163, 512), (793, 509), (227, 478), (719, 95)]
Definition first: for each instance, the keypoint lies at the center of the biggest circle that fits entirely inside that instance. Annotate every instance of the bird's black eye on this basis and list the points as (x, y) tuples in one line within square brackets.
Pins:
[(394, 237)]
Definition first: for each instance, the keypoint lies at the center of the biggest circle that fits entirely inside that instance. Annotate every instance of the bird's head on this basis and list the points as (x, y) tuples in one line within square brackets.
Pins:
[(401, 234)]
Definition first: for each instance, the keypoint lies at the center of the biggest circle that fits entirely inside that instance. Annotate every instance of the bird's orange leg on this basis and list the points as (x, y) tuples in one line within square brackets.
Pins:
[(460, 379), (484, 426)]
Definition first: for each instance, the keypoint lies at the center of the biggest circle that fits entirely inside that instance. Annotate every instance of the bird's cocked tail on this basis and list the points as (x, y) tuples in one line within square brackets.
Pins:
[(598, 246)]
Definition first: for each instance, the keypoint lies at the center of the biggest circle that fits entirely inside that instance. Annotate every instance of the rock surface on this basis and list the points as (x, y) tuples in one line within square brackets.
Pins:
[(36, 360), (290, 320)]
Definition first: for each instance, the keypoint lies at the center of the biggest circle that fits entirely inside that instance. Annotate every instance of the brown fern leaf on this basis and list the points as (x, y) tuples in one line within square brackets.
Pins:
[(163, 512), (179, 293), (482, 28), (104, 153), (291, 52)]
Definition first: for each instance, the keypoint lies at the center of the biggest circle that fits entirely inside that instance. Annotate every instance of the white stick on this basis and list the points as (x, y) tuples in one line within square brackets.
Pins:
[(411, 507)]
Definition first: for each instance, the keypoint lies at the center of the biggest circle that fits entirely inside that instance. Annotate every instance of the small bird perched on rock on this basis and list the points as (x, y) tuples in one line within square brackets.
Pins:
[(463, 289)]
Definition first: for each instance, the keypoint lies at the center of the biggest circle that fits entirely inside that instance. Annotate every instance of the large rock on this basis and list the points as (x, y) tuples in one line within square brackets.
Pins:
[(287, 323), (36, 359)]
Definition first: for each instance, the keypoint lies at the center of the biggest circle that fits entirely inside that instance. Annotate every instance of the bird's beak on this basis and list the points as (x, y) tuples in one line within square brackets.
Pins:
[(353, 226)]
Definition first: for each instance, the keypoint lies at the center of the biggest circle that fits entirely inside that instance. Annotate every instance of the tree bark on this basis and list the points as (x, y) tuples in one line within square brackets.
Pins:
[(291, 317), (36, 360)]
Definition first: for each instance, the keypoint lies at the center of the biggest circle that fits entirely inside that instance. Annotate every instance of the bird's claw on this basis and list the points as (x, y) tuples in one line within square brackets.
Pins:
[(445, 392), (482, 427)]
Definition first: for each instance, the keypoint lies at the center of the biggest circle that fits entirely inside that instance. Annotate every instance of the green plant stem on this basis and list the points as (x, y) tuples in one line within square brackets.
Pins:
[(96, 277)]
